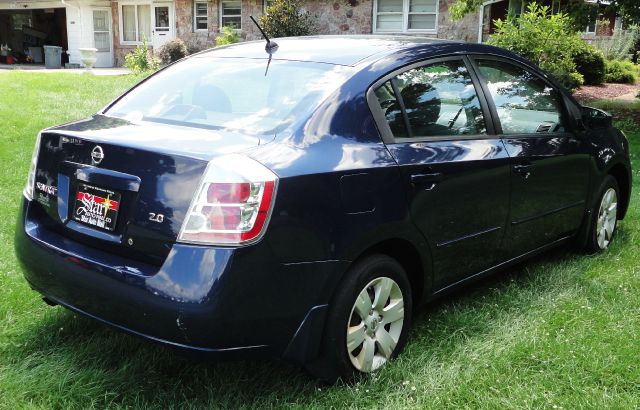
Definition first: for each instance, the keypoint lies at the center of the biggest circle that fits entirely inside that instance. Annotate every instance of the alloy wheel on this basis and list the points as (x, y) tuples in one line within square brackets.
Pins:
[(375, 324), (607, 218)]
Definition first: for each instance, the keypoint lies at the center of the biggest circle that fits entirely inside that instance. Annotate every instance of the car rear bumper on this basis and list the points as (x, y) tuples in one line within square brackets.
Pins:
[(216, 300)]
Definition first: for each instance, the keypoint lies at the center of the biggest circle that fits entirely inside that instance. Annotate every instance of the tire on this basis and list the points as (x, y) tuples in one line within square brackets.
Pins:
[(604, 216), (353, 345)]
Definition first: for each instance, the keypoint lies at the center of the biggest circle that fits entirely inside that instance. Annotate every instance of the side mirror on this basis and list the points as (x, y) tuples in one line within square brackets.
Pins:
[(596, 118)]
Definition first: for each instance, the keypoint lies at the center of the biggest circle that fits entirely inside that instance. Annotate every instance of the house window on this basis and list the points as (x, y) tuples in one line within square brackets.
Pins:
[(399, 16), (618, 24), (516, 7), (231, 14), (201, 16), (591, 27), (135, 22)]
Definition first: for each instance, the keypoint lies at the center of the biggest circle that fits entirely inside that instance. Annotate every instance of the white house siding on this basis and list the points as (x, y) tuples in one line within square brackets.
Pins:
[(80, 28)]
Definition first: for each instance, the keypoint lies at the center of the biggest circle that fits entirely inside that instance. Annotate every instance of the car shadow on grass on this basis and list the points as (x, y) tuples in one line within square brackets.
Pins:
[(136, 372)]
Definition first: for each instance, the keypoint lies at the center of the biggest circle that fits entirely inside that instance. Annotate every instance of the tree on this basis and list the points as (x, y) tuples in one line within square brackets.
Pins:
[(579, 10), (285, 18), (547, 40)]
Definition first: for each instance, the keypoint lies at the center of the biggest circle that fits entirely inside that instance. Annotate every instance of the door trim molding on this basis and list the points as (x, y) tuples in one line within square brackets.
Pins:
[(547, 213), (469, 236)]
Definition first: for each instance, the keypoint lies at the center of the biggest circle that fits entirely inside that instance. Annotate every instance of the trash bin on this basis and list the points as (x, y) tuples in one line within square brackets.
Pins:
[(52, 56)]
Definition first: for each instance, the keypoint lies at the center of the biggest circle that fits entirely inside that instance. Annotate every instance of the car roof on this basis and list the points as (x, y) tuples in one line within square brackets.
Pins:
[(330, 49)]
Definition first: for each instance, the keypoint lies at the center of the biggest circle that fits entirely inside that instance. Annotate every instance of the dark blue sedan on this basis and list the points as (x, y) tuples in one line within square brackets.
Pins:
[(300, 203)]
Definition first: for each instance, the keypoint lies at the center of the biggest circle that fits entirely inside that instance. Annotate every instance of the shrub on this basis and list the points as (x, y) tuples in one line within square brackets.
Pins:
[(621, 71), (173, 51), (547, 40), (141, 60), (228, 36), (286, 18), (591, 64), (196, 45), (619, 46)]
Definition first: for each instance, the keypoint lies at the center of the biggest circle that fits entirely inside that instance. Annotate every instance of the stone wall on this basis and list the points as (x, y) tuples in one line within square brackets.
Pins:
[(333, 17), (342, 16), (465, 29), (196, 40)]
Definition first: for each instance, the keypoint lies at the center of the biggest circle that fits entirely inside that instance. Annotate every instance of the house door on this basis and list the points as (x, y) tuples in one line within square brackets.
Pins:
[(162, 24), (102, 37)]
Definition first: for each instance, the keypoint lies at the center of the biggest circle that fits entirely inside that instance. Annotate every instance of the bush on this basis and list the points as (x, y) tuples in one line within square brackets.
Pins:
[(591, 64), (570, 79), (228, 36), (173, 51), (141, 60), (547, 40), (621, 71), (620, 46), (286, 18), (196, 45)]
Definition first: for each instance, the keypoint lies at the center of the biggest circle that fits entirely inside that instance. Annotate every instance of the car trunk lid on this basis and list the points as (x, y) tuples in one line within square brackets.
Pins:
[(125, 187)]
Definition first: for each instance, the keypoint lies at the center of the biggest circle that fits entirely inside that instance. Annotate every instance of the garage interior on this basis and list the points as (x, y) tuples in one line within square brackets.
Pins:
[(25, 32)]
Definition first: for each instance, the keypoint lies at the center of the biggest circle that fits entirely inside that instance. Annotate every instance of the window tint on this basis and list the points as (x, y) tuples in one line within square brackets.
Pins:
[(392, 110), (232, 93), (439, 99), (525, 103)]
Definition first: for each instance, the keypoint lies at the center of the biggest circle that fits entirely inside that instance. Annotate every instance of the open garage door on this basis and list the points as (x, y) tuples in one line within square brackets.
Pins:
[(26, 31)]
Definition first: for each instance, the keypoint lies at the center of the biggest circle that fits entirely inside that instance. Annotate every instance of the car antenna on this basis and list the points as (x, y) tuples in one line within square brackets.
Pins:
[(271, 46)]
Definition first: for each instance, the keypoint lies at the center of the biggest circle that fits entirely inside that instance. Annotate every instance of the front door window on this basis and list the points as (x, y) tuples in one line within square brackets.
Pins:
[(162, 32), (162, 18), (525, 103)]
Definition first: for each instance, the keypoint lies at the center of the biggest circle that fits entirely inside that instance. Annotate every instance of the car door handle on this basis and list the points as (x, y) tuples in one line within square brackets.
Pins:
[(428, 180), (523, 169)]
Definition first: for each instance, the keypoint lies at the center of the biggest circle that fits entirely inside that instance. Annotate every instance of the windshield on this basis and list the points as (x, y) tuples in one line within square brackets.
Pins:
[(231, 93)]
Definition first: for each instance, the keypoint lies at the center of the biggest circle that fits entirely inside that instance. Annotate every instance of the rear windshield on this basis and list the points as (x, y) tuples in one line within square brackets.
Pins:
[(231, 93)]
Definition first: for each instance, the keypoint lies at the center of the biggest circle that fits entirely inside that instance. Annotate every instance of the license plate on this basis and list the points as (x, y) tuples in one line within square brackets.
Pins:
[(96, 207)]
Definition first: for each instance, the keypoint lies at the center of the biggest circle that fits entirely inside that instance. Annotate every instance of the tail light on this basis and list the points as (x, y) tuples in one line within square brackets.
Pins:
[(31, 179), (233, 203)]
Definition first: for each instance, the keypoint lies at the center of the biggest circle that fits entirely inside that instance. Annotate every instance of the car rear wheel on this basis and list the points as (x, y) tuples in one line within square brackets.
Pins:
[(368, 320), (605, 216)]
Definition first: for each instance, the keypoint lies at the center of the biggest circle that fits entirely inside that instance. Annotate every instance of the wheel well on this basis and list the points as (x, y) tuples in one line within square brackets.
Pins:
[(408, 256), (619, 172)]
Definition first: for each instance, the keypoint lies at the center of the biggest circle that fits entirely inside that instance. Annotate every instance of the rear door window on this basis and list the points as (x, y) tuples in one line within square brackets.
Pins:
[(437, 99), (525, 103)]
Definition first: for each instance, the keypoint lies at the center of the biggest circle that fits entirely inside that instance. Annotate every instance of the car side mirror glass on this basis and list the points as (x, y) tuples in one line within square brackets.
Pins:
[(596, 118)]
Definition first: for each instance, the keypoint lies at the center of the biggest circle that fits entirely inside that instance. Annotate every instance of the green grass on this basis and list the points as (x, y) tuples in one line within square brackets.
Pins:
[(626, 113), (562, 331)]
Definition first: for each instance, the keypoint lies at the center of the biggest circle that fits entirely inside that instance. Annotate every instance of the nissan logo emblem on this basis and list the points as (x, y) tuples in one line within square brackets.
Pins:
[(97, 154)]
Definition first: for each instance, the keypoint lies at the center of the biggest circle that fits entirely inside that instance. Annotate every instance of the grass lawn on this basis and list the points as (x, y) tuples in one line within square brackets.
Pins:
[(562, 331)]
